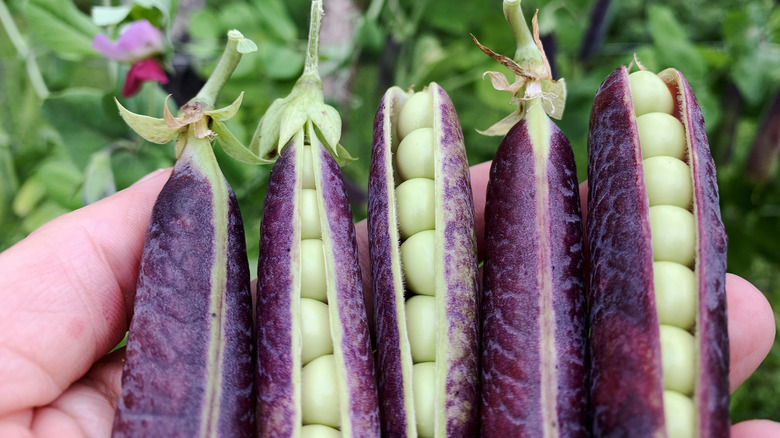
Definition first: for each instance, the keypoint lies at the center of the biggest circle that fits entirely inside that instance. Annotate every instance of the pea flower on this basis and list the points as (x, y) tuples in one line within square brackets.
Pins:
[(138, 44)]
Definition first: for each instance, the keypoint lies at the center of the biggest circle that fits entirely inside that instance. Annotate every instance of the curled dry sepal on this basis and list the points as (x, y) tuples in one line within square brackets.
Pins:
[(141, 45), (533, 79)]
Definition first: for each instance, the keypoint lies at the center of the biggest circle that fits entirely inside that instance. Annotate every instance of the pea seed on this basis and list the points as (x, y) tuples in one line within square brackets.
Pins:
[(414, 157), (668, 181), (315, 330), (417, 260), (673, 236), (416, 113), (678, 356), (313, 284), (649, 93), (310, 215), (421, 327), (680, 414), (661, 134), (415, 206), (675, 294), (307, 174), (319, 392), (424, 389), (319, 431)]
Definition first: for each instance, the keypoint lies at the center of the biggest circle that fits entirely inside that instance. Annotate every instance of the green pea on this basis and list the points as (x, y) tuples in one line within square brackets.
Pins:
[(661, 134), (319, 392), (678, 357), (421, 327), (315, 330), (415, 206), (319, 431), (649, 93), (416, 113), (414, 157), (424, 389), (307, 174), (668, 181), (417, 260), (680, 415), (673, 234), (313, 283), (310, 215), (675, 294)]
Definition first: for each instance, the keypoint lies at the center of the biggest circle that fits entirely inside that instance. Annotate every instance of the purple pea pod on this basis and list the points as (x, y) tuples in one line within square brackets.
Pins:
[(189, 367), (534, 334), (315, 373), (422, 245), (659, 341)]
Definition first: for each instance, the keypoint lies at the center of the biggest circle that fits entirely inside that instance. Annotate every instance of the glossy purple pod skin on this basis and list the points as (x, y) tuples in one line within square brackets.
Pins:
[(626, 373), (456, 277), (278, 287), (189, 365), (534, 332)]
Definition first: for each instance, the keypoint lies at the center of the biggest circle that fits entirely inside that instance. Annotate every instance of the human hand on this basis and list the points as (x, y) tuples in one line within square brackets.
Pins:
[(66, 294)]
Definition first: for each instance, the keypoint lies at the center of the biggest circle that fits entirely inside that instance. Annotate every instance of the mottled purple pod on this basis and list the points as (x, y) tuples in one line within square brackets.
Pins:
[(424, 267), (188, 370), (327, 383), (534, 370), (659, 342)]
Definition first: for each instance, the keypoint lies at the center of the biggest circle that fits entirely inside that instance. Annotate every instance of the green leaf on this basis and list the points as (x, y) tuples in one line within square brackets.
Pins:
[(109, 15), (155, 11), (281, 62), (672, 43), (62, 27), (246, 46), (276, 20), (99, 179), (86, 120)]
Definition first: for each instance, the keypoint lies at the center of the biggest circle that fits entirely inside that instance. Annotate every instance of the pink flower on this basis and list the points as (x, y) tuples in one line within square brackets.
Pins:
[(139, 40), (148, 69), (138, 44)]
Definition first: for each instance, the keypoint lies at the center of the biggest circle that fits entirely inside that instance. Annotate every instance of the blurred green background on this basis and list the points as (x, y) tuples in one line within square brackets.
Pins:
[(63, 144)]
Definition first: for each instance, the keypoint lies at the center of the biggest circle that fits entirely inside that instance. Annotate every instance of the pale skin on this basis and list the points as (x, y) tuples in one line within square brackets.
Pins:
[(66, 294)]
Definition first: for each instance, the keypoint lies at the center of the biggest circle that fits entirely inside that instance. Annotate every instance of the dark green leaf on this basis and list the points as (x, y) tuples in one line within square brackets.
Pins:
[(62, 27)]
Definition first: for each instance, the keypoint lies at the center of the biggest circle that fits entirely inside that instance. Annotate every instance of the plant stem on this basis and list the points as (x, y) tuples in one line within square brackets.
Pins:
[(33, 71), (227, 64), (313, 48), (527, 53)]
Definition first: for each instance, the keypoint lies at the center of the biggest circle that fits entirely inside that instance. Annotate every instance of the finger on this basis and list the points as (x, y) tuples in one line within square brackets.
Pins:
[(66, 293), (751, 328), (755, 428)]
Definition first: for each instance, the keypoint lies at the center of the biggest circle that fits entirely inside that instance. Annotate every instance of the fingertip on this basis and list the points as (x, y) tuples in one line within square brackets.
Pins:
[(751, 328), (755, 428)]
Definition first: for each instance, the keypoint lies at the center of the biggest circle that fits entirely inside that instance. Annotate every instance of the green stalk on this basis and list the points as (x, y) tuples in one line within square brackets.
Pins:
[(313, 48), (33, 71), (527, 54), (227, 64)]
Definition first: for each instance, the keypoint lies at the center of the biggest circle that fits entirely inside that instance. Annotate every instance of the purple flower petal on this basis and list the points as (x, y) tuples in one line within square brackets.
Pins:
[(139, 40), (144, 70)]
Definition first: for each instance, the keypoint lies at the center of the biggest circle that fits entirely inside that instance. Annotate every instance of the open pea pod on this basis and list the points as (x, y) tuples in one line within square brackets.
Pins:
[(188, 370), (424, 267), (534, 333), (657, 245), (315, 370)]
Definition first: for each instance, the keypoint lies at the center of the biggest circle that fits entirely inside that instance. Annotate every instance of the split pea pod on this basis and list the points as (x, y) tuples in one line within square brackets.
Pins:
[(533, 363), (188, 369), (659, 341), (315, 374), (422, 245)]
